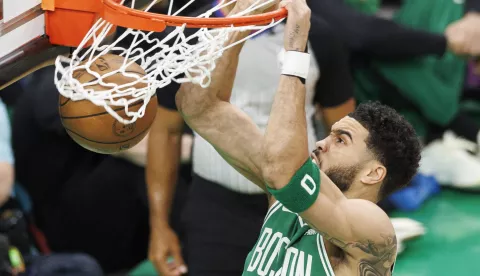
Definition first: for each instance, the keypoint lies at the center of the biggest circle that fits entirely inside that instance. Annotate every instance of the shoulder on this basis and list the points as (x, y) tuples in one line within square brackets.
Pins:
[(370, 210), (375, 243), (368, 221)]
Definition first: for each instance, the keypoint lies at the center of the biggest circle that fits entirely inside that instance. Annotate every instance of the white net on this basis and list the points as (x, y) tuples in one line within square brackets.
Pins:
[(175, 57)]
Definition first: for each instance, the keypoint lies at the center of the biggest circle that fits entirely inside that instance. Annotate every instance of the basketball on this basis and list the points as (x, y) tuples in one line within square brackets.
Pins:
[(91, 126)]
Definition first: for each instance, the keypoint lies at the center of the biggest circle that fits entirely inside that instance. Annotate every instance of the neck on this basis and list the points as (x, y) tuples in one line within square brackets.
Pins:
[(365, 193)]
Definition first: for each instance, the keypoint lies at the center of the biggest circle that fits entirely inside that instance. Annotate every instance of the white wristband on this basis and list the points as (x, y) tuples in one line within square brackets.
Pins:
[(295, 63)]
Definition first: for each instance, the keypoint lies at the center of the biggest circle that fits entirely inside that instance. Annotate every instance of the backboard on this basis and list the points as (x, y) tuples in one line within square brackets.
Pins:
[(24, 47)]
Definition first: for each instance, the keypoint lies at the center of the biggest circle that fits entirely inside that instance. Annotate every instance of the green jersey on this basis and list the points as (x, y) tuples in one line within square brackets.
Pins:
[(287, 247)]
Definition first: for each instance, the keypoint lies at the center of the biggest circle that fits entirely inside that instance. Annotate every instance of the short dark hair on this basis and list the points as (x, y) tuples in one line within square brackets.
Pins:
[(393, 141)]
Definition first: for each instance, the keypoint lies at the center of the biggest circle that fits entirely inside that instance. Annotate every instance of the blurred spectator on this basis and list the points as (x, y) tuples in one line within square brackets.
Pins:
[(83, 201), (18, 255), (369, 37), (465, 32), (428, 90), (431, 84), (413, 63), (6, 156)]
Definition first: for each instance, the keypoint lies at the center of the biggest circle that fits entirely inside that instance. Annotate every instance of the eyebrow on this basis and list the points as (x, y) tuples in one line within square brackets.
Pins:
[(340, 132)]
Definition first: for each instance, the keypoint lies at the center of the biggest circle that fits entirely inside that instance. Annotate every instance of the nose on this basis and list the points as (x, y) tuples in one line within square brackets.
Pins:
[(321, 145)]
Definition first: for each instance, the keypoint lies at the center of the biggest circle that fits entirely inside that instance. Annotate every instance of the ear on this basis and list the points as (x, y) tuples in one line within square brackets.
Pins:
[(375, 173)]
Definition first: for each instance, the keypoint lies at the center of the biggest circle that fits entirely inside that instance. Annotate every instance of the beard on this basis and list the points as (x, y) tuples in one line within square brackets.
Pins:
[(343, 177)]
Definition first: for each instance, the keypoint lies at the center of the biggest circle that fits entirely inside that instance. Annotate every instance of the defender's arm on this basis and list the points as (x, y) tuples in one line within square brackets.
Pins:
[(163, 161), (164, 148)]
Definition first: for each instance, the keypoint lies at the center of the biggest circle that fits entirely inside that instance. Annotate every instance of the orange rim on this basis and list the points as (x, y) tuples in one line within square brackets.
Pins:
[(130, 18)]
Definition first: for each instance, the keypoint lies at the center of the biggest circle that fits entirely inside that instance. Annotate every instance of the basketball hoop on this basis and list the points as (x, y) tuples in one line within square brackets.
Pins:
[(177, 57)]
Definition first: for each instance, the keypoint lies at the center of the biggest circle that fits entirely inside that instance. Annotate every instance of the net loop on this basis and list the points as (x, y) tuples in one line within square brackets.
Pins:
[(177, 57)]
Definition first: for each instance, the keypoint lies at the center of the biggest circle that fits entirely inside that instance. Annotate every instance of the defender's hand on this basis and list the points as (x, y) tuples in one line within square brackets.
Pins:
[(164, 244)]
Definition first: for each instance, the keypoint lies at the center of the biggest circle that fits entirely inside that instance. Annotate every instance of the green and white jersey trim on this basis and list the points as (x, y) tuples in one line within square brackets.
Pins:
[(275, 206), (324, 256)]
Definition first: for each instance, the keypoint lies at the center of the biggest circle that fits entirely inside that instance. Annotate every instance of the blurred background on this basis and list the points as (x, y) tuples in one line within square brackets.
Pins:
[(172, 200)]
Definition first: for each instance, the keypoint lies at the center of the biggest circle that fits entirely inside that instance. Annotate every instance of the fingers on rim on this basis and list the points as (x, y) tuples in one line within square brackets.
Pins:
[(284, 3)]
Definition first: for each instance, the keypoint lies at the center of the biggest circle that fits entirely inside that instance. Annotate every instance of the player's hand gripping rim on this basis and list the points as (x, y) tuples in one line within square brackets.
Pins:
[(297, 26)]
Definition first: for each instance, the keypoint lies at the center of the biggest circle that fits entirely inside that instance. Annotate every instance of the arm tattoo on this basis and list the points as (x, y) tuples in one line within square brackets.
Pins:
[(292, 36), (380, 256)]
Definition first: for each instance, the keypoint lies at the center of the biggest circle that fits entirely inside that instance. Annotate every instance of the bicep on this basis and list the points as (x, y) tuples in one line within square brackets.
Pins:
[(327, 215), (357, 227), (354, 225)]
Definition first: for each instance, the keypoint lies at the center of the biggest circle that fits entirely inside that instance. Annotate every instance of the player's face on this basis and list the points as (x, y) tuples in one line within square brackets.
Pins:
[(342, 154)]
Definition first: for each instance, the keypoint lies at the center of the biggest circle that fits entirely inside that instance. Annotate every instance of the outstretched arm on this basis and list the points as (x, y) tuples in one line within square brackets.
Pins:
[(234, 135), (208, 112)]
